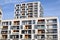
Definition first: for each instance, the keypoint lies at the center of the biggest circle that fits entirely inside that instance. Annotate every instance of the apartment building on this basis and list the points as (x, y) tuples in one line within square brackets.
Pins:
[(30, 27), (0, 20), (28, 10), (43, 28)]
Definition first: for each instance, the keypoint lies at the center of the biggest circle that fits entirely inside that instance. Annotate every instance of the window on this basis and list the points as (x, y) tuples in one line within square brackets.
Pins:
[(0, 13), (33, 31), (54, 30), (10, 23), (54, 20), (14, 27), (23, 31), (33, 21), (54, 36), (39, 26), (54, 25), (20, 36), (21, 26), (42, 36)]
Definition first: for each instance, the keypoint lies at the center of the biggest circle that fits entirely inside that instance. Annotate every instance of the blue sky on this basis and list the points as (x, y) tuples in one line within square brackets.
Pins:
[(51, 7)]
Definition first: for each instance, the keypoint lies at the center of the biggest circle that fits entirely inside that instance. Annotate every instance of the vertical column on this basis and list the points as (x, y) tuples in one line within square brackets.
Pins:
[(45, 30)]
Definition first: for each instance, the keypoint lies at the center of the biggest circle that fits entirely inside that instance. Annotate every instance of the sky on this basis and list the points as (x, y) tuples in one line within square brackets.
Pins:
[(51, 7)]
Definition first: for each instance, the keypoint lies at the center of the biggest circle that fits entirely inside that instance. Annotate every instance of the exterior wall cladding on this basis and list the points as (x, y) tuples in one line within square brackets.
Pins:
[(29, 24)]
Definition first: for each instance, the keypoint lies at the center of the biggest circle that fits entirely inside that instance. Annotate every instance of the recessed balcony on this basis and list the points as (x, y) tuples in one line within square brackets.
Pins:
[(51, 31), (41, 31), (5, 28), (52, 21), (14, 27), (15, 31), (14, 37), (26, 22), (16, 22), (26, 31), (4, 23), (39, 26), (23, 6), (4, 32), (4, 36), (41, 21), (40, 37), (52, 37), (53, 26), (27, 36), (28, 27)]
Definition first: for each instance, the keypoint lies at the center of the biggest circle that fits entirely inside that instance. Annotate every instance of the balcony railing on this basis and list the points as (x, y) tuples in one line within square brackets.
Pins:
[(15, 27), (4, 32), (27, 39), (41, 39), (40, 22), (15, 39), (3, 39), (51, 39)]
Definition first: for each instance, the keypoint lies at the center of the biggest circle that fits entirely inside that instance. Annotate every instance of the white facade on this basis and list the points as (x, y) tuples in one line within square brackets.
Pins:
[(42, 28), (28, 10), (30, 27)]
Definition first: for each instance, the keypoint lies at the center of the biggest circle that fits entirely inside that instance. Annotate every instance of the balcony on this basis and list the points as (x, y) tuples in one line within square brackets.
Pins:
[(23, 6), (41, 21), (23, 10), (23, 14), (53, 26), (36, 6), (39, 37), (14, 27), (17, 5), (52, 37), (52, 31), (26, 31), (39, 26), (28, 27), (4, 37), (30, 11), (4, 23), (15, 32), (27, 36), (14, 37), (16, 22), (30, 4), (26, 22), (52, 21), (5, 28), (30, 14), (41, 31), (4, 32), (25, 39)]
